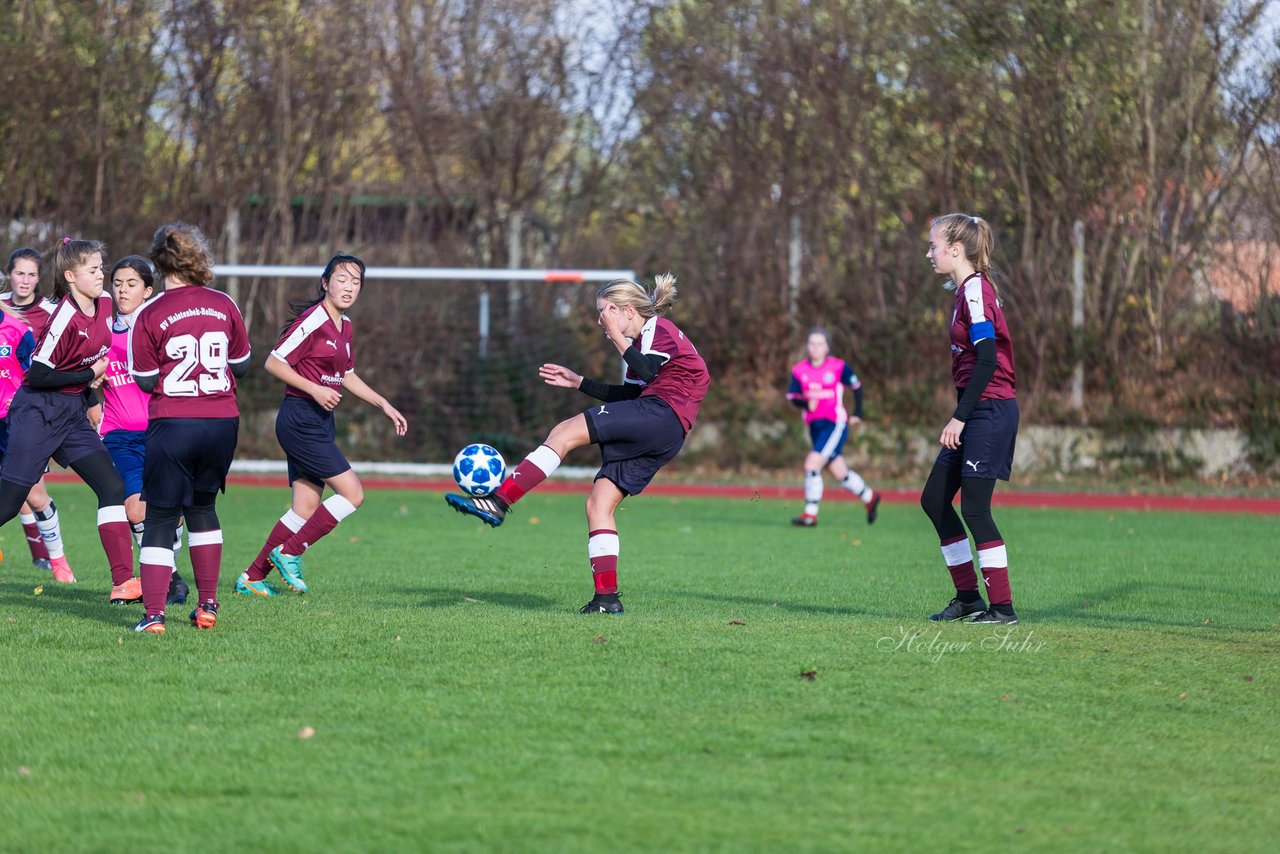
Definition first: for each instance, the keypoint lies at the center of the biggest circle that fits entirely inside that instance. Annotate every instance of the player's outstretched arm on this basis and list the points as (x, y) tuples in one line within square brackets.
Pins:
[(559, 376), (361, 389)]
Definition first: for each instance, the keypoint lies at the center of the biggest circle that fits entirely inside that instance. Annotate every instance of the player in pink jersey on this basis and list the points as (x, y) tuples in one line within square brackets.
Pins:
[(186, 349), (640, 426), (121, 414), (47, 417), (817, 387), (978, 441), (39, 515), (313, 358)]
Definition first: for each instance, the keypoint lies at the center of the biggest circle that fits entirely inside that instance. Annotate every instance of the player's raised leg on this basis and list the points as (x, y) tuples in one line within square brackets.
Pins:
[(853, 482)]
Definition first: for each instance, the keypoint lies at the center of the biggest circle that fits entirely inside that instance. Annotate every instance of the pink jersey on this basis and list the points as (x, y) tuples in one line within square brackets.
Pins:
[(16, 345), (824, 383), (188, 337), (124, 405), (317, 349), (37, 313), (978, 316), (73, 340), (683, 378)]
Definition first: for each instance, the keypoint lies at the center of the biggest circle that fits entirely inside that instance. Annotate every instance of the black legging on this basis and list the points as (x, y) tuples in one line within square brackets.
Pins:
[(162, 522), (96, 470), (975, 503)]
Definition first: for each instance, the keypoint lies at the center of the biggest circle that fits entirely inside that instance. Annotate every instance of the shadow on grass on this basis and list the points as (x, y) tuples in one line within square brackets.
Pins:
[(1152, 602), (781, 605), (447, 597), (81, 600)]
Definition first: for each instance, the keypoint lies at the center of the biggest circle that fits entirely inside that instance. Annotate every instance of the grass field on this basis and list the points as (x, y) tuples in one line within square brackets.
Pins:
[(458, 701)]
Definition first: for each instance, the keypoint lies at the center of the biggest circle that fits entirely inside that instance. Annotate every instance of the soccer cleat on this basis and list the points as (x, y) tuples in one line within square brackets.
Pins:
[(261, 587), (205, 616), (602, 605), (130, 591), (957, 610), (178, 590), (873, 508), (993, 617), (62, 571), (805, 520), (290, 567), (491, 509), (42, 563), (152, 624)]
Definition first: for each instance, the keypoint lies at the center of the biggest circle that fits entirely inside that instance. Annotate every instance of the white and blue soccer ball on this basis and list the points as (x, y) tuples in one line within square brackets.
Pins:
[(479, 469)]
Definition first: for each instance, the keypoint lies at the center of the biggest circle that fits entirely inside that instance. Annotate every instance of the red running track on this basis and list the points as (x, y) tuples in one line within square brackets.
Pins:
[(1003, 498)]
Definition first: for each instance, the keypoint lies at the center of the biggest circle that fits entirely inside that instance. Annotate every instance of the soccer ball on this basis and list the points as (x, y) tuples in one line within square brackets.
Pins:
[(479, 469)]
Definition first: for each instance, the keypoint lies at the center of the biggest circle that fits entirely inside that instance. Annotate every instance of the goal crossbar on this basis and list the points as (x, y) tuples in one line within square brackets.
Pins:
[(453, 274)]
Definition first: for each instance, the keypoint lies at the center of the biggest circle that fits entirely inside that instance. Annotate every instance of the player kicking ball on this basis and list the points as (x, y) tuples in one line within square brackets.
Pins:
[(640, 425)]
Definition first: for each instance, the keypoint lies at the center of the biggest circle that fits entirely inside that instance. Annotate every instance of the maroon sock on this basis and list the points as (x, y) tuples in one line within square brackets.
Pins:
[(39, 551), (604, 572), (117, 542), (533, 470), (206, 562), (261, 566), (320, 523), (964, 578), (157, 566), (995, 572)]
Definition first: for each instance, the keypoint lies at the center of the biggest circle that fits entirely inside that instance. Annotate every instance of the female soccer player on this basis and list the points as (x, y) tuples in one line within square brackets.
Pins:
[(186, 349), (817, 387), (313, 358), (47, 416), (39, 515), (977, 443), (121, 417), (641, 425)]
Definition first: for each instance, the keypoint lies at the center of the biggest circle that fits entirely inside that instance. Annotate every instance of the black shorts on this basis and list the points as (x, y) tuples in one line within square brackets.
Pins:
[(636, 438), (306, 431), (986, 443), (186, 456), (44, 425)]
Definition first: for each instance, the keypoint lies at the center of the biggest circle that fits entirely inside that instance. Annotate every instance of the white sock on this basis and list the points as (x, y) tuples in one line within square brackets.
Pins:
[(50, 530), (813, 488), (855, 484), (177, 541), (545, 459), (138, 528)]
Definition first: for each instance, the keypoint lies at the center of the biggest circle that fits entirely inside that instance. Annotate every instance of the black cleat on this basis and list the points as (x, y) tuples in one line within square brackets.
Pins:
[(602, 604), (42, 563), (804, 520), (957, 610), (993, 617), (873, 509), (489, 509), (178, 590)]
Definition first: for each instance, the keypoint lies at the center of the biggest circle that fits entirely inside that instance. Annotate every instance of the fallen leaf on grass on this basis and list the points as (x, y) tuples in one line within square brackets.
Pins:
[(353, 539), (397, 637), (809, 675), (469, 599), (38, 590), (307, 732), (120, 641), (1248, 678), (1182, 696), (857, 542), (736, 623), (1208, 621), (533, 520), (1004, 698), (24, 771), (599, 639)]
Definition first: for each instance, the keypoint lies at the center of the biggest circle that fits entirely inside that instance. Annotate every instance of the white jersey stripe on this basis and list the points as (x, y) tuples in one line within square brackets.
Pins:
[(61, 318), (316, 316)]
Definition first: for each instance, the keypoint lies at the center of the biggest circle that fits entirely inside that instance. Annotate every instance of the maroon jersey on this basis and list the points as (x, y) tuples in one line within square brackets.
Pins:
[(37, 313), (73, 340), (316, 348), (188, 337), (683, 378), (977, 316)]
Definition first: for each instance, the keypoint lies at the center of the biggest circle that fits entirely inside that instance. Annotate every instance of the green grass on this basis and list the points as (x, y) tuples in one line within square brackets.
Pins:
[(460, 702)]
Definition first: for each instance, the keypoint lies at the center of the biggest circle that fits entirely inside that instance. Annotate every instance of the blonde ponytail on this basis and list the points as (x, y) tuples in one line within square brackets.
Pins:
[(623, 292)]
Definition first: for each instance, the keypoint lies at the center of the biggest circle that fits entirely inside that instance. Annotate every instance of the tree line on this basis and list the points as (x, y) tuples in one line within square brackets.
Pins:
[(782, 158)]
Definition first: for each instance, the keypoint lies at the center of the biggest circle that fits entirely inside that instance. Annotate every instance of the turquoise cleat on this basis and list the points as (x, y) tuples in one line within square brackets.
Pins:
[(290, 568), (262, 587)]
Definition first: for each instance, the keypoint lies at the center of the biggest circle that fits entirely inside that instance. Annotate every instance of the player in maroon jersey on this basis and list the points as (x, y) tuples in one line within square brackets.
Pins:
[(39, 515), (47, 417), (640, 426), (978, 441), (313, 358), (186, 349)]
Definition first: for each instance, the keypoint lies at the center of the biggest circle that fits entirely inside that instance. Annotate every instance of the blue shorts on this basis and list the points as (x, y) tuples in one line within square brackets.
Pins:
[(44, 425), (305, 430), (636, 438), (128, 450), (828, 437), (186, 456), (986, 444)]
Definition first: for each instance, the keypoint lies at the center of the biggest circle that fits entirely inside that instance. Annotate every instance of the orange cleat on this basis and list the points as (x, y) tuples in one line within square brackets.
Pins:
[(205, 616), (130, 591), (62, 570)]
